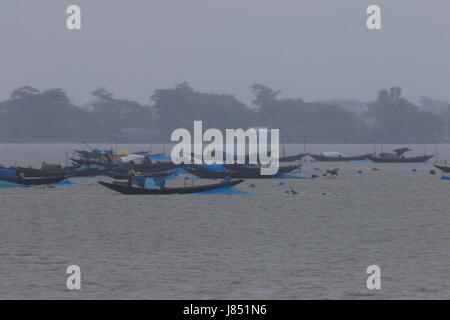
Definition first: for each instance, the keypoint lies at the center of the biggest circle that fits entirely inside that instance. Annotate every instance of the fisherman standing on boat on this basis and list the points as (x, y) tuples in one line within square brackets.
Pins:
[(130, 177), (147, 161)]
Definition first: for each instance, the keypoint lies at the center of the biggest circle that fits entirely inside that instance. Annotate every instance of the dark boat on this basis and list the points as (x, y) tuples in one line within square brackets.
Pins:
[(147, 167), (73, 171), (442, 168), (339, 157), (246, 167), (402, 160), (397, 157), (237, 172), (34, 181), (124, 176), (124, 188), (293, 158)]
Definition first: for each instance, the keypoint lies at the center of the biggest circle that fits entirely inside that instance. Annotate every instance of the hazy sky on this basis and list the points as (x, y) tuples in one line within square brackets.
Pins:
[(313, 49)]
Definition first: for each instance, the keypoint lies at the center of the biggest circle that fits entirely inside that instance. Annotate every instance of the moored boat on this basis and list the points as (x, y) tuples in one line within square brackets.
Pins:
[(293, 158), (73, 171), (397, 157), (236, 171), (442, 168), (337, 156), (123, 176), (126, 188), (33, 181)]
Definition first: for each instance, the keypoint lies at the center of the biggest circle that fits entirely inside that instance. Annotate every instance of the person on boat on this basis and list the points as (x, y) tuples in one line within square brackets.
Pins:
[(147, 160), (130, 177)]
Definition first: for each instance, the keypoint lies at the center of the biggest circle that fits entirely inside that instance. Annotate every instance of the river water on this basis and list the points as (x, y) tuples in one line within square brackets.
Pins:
[(269, 245)]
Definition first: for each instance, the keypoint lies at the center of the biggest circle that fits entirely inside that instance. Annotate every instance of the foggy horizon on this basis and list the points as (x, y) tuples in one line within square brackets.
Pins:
[(316, 51)]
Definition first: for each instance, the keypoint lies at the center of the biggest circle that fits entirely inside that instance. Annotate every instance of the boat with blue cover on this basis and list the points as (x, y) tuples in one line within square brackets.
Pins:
[(153, 186)]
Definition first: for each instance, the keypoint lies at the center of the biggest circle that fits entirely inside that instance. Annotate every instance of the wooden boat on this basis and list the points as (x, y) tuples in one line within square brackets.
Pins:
[(73, 171), (397, 157), (245, 167), (442, 168), (237, 172), (124, 176), (293, 158), (336, 156), (158, 166), (125, 188), (34, 181)]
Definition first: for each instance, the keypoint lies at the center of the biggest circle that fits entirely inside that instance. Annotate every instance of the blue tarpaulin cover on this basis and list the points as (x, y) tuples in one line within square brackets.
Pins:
[(215, 168), (7, 173), (149, 183), (227, 190)]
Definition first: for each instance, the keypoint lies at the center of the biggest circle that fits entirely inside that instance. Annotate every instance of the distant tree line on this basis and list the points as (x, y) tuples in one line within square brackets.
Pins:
[(30, 115)]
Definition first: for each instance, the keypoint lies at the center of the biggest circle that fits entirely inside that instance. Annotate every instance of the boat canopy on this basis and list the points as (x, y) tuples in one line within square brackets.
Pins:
[(332, 154), (149, 183), (215, 168), (133, 157)]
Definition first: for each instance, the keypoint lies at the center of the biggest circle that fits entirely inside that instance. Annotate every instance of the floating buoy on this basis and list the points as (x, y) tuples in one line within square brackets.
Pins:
[(432, 172)]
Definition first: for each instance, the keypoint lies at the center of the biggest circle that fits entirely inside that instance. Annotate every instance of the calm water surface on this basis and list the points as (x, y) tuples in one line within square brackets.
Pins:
[(266, 246)]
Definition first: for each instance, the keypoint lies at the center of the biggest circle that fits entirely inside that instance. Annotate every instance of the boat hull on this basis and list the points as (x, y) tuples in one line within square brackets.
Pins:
[(402, 160), (75, 171), (322, 158), (132, 190), (236, 173), (124, 176), (34, 181), (293, 158), (442, 168)]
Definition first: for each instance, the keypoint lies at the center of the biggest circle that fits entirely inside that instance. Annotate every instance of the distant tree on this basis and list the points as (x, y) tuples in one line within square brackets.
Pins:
[(181, 106), (102, 94), (23, 92), (113, 116), (296, 118), (399, 120), (45, 115)]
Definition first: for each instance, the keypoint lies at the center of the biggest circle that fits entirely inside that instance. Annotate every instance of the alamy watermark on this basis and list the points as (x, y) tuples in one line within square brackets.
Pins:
[(260, 152), (373, 22)]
